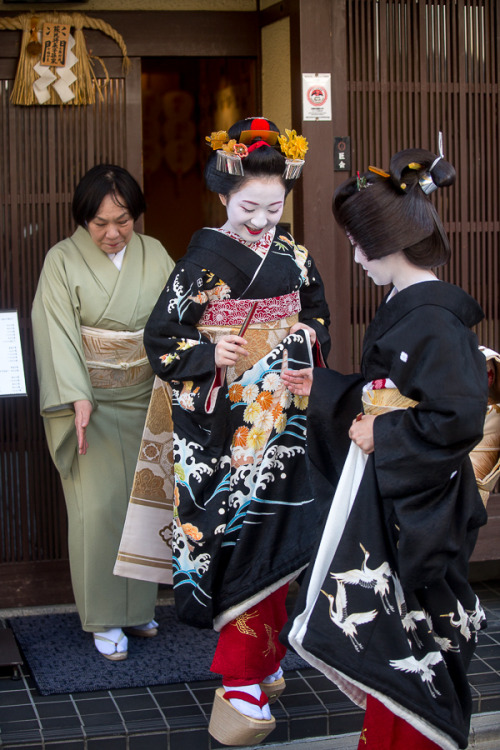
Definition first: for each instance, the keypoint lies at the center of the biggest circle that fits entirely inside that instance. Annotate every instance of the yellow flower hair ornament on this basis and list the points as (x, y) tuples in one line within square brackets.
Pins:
[(294, 147), (217, 139), (230, 153)]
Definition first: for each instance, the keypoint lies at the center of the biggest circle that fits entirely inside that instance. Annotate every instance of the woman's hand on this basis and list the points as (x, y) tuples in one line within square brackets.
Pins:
[(229, 349), (298, 382), (83, 410), (361, 432), (312, 332)]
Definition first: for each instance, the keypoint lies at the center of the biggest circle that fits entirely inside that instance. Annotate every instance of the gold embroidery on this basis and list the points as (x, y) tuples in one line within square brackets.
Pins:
[(271, 646), (363, 736), (241, 623)]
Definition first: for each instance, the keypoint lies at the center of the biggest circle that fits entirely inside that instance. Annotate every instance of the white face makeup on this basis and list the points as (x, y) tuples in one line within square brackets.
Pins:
[(381, 271), (255, 208), (112, 226)]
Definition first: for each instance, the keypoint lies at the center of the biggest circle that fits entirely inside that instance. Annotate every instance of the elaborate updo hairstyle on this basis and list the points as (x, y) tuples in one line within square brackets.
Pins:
[(103, 180), (384, 213), (264, 160)]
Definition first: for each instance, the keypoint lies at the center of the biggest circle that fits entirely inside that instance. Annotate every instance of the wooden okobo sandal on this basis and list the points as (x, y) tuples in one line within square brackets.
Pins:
[(231, 727), (274, 689)]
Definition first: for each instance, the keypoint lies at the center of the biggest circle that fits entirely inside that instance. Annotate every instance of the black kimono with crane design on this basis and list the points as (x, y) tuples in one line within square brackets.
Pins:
[(386, 608)]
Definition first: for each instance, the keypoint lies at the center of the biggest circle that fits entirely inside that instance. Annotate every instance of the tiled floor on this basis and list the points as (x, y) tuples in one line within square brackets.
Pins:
[(175, 717)]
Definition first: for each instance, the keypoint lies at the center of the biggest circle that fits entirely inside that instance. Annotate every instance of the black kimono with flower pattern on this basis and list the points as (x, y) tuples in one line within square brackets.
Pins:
[(245, 518), (386, 608)]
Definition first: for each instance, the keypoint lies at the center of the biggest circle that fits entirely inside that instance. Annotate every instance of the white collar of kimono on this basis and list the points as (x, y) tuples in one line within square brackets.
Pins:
[(394, 291), (117, 258), (260, 246)]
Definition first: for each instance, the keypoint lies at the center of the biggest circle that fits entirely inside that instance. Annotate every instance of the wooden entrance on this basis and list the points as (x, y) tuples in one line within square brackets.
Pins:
[(401, 71), (44, 150)]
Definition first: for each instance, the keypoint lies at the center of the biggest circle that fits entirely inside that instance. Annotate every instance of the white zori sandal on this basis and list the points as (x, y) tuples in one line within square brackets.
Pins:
[(148, 630), (112, 644), (231, 726)]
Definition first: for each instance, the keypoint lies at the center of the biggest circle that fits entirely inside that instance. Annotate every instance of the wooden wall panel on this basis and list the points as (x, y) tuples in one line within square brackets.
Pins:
[(414, 69)]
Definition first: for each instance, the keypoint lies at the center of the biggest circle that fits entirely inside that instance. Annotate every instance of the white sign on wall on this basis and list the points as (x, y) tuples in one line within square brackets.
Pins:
[(12, 381), (316, 96)]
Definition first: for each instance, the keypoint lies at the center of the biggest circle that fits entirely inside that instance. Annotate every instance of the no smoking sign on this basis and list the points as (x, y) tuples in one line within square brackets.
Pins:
[(316, 96)]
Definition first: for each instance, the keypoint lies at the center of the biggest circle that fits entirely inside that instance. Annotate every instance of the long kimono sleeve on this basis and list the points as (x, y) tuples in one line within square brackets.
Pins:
[(315, 312), (62, 374), (421, 454), (176, 349)]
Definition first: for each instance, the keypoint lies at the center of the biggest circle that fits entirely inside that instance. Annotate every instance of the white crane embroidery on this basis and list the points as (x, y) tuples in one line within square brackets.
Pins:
[(477, 617), (340, 618), (445, 644), (368, 578), (410, 618), (462, 622), (422, 667)]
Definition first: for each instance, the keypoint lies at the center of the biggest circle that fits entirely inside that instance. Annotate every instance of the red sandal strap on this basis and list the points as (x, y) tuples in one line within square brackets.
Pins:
[(240, 695)]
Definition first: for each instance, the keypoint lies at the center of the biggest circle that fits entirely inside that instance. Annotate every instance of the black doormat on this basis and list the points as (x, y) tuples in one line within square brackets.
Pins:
[(63, 659)]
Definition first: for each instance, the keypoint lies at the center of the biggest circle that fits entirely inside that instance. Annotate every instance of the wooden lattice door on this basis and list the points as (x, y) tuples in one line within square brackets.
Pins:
[(44, 150)]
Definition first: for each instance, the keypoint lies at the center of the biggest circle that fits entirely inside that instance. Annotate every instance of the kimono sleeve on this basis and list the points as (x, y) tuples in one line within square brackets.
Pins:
[(334, 402), (315, 312), (421, 454), (60, 360), (176, 349)]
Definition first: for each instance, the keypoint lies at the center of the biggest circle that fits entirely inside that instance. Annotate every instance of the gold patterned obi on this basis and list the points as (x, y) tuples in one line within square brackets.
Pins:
[(270, 323), (115, 359), (381, 400)]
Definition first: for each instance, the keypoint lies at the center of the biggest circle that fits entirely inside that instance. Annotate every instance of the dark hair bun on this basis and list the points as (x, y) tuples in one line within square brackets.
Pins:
[(409, 166), (386, 213)]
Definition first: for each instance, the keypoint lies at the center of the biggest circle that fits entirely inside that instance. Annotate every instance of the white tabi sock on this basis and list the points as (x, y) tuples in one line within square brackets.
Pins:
[(255, 712), (273, 677)]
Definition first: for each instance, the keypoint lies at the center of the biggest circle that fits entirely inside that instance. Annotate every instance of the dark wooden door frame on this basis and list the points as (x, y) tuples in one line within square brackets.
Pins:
[(317, 44)]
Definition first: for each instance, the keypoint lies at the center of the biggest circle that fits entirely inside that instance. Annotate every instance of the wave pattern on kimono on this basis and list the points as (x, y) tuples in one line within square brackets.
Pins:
[(244, 513)]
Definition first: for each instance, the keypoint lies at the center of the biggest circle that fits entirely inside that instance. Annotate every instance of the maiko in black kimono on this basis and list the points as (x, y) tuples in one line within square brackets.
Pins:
[(386, 608), (245, 517)]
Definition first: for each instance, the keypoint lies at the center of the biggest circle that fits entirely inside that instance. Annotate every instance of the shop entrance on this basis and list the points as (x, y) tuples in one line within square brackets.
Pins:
[(184, 100)]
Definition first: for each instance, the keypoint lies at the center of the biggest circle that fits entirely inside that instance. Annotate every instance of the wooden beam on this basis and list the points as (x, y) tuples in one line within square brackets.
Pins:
[(165, 34), (318, 39)]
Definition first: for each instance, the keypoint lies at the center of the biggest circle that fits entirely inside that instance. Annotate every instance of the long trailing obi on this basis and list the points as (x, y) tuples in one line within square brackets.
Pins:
[(115, 359), (145, 550), (270, 322)]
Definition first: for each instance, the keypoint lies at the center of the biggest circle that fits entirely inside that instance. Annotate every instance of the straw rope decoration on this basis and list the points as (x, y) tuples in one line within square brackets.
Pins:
[(83, 89)]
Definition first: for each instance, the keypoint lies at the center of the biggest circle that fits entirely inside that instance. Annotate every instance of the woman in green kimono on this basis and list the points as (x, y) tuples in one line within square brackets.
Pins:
[(95, 293)]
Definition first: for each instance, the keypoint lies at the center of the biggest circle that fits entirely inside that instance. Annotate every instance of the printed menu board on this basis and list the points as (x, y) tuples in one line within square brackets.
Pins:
[(12, 382)]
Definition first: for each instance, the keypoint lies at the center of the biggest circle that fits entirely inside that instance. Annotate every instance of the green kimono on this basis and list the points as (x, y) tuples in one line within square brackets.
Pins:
[(80, 286)]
